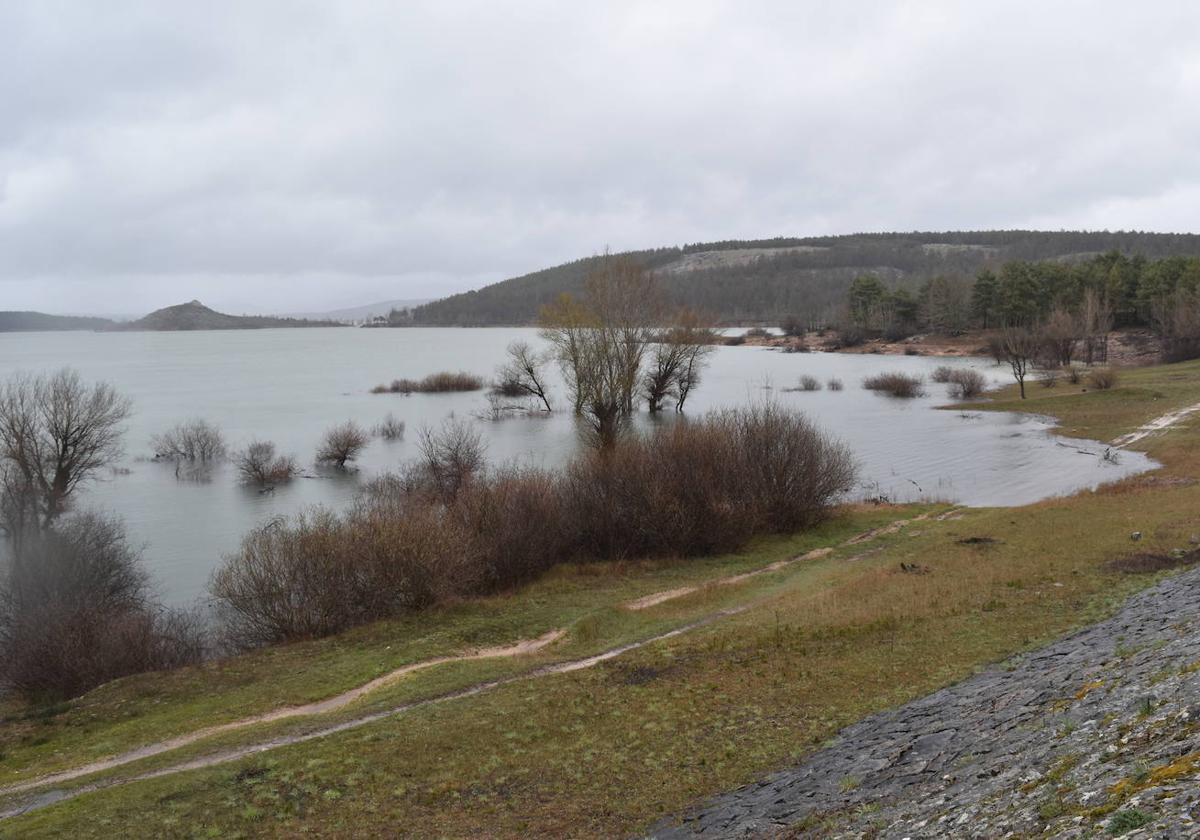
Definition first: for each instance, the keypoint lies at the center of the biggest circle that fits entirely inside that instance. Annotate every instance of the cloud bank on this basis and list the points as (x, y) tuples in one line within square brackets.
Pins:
[(290, 156)]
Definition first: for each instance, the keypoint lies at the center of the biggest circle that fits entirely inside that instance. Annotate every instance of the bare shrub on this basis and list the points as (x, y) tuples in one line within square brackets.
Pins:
[(390, 428), (193, 440), (943, 374), (1047, 377), (809, 383), (1103, 378), (56, 433), (76, 611), (523, 374), (1073, 374), (435, 383), (834, 384), (258, 464), (966, 383), (902, 385), (452, 456), (734, 340), (757, 332), (342, 444), (515, 525)]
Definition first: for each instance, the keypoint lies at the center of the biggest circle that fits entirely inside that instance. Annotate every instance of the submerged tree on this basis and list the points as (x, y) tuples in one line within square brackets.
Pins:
[(524, 374), (56, 433)]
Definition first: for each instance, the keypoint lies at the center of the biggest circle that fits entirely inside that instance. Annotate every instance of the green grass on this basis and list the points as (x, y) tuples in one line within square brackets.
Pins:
[(607, 751)]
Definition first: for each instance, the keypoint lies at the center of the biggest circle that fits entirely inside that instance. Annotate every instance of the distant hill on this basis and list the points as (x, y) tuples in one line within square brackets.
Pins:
[(196, 316), (39, 321), (361, 313), (759, 280)]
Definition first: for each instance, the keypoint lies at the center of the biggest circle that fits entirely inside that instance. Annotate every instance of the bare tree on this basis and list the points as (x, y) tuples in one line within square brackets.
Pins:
[(55, 434), (1060, 334), (258, 464), (194, 440), (342, 444), (677, 359), (564, 324), (1020, 346), (524, 374), (601, 343), (453, 455)]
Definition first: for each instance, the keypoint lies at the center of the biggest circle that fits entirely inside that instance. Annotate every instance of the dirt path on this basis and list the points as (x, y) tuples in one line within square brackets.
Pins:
[(1158, 424), (50, 797), (346, 698), (656, 598), (319, 707)]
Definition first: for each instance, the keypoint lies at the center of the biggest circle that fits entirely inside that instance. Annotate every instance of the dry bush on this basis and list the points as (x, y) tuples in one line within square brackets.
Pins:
[(258, 464), (786, 465), (834, 384), (966, 383), (674, 493), (451, 456), (193, 440), (516, 525), (1103, 378), (318, 574), (390, 428), (76, 612), (1047, 377), (342, 444), (757, 332), (734, 340), (448, 528), (435, 383), (943, 374), (810, 383), (902, 385), (1073, 374)]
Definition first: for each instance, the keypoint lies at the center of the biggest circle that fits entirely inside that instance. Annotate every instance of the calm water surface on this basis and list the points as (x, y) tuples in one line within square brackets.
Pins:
[(288, 386)]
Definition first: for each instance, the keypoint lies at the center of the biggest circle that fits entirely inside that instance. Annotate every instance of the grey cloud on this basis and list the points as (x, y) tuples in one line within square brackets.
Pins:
[(285, 155)]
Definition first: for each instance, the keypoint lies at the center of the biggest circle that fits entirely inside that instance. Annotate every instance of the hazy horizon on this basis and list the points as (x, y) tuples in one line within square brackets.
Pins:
[(304, 158)]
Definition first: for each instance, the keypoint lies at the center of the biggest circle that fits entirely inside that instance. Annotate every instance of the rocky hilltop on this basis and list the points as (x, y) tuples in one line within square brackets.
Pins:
[(196, 316)]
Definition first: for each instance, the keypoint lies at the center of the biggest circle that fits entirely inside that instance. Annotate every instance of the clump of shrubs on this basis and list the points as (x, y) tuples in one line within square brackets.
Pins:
[(1073, 374), (735, 340), (342, 444), (390, 428), (259, 464), (1103, 378), (1047, 377), (834, 384), (444, 382), (450, 527), (193, 440), (903, 385), (758, 332), (76, 611), (966, 383)]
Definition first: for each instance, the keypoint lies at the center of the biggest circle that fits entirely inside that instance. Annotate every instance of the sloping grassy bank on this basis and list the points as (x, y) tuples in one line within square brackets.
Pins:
[(608, 750)]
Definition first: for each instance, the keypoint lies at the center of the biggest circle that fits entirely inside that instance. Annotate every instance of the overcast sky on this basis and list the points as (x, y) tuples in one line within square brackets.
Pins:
[(291, 156)]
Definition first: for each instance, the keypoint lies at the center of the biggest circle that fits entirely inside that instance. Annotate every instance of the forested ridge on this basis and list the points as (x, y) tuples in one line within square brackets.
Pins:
[(808, 277)]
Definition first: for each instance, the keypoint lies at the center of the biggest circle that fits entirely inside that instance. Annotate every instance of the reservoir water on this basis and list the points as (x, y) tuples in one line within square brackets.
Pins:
[(289, 386)]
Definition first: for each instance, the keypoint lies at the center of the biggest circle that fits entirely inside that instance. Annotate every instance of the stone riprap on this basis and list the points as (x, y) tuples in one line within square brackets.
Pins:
[(1095, 735)]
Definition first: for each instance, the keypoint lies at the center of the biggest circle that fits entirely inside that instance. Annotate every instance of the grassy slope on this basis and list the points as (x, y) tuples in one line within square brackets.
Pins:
[(608, 750)]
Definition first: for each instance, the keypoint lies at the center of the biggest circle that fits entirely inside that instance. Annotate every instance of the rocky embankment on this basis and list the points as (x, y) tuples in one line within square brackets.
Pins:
[(1096, 735)]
